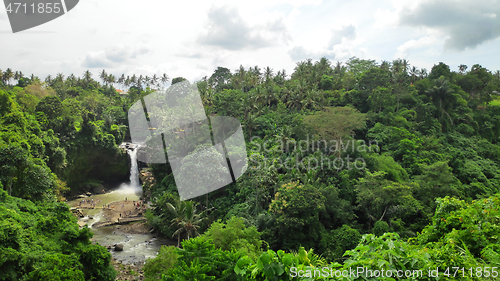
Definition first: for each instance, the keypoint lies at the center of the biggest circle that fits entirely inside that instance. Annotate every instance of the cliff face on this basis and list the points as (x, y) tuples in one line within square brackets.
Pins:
[(90, 168), (147, 179)]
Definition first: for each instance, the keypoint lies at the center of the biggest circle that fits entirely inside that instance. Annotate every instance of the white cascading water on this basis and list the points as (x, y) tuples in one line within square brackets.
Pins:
[(134, 187), (134, 170)]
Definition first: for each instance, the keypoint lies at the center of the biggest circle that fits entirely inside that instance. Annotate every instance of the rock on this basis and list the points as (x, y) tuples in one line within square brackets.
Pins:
[(119, 247), (82, 196), (88, 194), (98, 189), (78, 213), (91, 217)]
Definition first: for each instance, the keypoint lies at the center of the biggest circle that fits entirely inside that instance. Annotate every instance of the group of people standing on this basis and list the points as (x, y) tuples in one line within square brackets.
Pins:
[(88, 201), (138, 205)]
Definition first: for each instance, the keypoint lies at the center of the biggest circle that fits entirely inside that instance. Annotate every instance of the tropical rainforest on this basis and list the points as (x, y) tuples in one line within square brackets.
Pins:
[(356, 171)]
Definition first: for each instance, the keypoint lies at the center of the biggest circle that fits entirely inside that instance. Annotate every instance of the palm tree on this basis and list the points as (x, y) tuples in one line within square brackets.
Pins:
[(133, 80), (186, 218), (406, 65), (71, 80), (414, 73), (284, 136), (268, 74), (285, 97), (48, 79), (339, 68), (462, 68), (497, 74), (18, 75), (60, 77), (154, 80), (294, 101), (8, 74), (111, 79), (385, 65), (324, 66), (397, 66), (442, 91), (139, 81), (127, 82), (121, 80), (103, 76), (178, 212), (256, 75), (239, 78), (423, 73), (164, 78), (251, 124), (87, 77)]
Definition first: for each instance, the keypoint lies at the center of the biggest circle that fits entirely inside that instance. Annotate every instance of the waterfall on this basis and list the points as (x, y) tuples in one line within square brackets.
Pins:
[(134, 170), (134, 186)]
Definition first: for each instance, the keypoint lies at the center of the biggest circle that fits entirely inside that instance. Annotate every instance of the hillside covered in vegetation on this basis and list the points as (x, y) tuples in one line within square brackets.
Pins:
[(355, 164)]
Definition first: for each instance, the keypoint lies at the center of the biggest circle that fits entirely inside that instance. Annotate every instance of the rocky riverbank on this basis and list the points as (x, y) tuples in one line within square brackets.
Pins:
[(128, 271)]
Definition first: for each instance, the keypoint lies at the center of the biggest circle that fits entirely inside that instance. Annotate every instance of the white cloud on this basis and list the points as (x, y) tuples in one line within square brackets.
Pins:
[(228, 30), (147, 40), (114, 55), (404, 49), (466, 24)]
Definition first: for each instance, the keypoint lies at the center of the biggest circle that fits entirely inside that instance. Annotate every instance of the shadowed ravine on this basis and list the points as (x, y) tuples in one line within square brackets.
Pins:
[(138, 245)]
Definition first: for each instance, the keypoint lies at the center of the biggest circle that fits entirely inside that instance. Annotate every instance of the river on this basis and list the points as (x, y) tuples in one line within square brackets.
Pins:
[(136, 247)]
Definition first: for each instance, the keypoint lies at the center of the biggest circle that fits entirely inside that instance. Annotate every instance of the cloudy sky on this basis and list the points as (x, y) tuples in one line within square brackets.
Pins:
[(192, 38)]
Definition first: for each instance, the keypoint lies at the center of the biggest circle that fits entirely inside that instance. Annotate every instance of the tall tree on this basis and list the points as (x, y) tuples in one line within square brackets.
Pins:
[(336, 123), (8, 75), (186, 218), (104, 77)]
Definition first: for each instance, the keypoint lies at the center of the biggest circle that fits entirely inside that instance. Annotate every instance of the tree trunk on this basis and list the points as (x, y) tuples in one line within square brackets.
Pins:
[(383, 214)]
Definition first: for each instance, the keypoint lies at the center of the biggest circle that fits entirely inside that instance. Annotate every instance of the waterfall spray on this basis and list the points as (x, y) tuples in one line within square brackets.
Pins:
[(134, 170), (134, 187)]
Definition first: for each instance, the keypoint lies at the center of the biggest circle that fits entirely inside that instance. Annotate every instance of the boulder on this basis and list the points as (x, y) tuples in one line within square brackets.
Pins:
[(77, 212), (98, 189), (119, 247), (88, 194), (82, 196)]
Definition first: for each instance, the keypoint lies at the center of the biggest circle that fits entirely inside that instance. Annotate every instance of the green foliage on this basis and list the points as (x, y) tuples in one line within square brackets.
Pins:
[(475, 224), (378, 197), (380, 227), (200, 260), (421, 136), (235, 236), (298, 209), (389, 253), (338, 241), (43, 242), (161, 264), (178, 80), (336, 123)]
